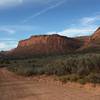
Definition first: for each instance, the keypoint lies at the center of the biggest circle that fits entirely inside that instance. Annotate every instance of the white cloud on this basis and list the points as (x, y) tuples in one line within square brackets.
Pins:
[(89, 20), (72, 32), (2, 45), (11, 3), (85, 26), (7, 45), (8, 39), (7, 3), (15, 29), (7, 30), (40, 1)]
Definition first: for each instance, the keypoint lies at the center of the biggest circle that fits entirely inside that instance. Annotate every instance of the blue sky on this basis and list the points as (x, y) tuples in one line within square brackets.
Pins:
[(19, 19)]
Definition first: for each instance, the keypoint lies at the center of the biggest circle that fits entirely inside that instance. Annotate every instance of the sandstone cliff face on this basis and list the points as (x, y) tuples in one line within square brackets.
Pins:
[(93, 42), (95, 38), (84, 39), (46, 44), (96, 35)]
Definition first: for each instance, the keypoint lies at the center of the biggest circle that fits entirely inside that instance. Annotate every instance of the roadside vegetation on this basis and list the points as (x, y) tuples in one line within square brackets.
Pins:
[(80, 68)]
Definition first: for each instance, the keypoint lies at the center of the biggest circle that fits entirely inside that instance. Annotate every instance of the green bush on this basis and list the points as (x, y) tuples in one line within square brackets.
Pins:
[(71, 78), (82, 81), (93, 78)]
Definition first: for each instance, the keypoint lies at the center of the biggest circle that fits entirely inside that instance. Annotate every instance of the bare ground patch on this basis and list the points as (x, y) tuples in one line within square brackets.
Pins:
[(13, 87)]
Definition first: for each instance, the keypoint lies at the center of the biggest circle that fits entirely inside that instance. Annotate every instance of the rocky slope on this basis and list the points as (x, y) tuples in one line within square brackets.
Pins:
[(93, 42), (96, 35)]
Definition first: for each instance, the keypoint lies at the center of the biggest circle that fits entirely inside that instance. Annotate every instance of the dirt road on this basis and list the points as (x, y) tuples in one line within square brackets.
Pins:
[(13, 87)]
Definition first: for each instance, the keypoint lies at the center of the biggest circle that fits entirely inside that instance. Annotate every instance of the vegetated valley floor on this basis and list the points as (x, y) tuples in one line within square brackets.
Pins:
[(13, 87)]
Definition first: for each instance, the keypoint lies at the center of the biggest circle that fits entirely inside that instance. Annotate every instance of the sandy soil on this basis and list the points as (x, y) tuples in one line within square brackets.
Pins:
[(13, 87)]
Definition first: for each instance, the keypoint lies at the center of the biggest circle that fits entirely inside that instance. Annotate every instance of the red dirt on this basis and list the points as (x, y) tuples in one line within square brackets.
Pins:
[(13, 87)]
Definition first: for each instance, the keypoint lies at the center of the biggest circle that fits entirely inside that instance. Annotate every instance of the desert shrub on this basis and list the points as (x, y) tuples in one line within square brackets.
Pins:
[(27, 71), (70, 67), (71, 78), (82, 81), (64, 79), (56, 68), (2, 61), (93, 78), (22, 70), (7, 62), (15, 62), (74, 77)]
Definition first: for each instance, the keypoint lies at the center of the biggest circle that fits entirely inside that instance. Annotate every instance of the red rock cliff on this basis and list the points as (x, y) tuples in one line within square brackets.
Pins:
[(95, 38), (47, 44), (96, 35), (93, 42)]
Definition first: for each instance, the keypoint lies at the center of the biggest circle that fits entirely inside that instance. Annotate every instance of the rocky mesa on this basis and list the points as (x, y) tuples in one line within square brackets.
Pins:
[(46, 44)]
